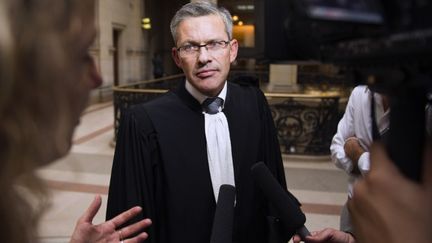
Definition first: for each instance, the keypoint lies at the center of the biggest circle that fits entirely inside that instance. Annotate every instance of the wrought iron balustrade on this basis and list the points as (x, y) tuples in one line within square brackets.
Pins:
[(305, 123)]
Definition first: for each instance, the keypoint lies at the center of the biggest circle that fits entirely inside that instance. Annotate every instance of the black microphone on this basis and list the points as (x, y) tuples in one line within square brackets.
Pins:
[(285, 203), (224, 215)]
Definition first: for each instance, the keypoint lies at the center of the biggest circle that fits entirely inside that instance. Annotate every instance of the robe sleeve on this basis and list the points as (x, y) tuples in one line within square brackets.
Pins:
[(273, 159), (270, 143), (134, 173)]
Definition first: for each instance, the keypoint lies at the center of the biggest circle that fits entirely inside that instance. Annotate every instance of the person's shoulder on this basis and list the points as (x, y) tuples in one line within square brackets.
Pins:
[(241, 88), (135, 119), (245, 80), (134, 112), (160, 101), (140, 110), (247, 94), (360, 92)]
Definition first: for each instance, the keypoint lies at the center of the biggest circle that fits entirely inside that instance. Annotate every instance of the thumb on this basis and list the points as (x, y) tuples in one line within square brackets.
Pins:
[(92, 210)]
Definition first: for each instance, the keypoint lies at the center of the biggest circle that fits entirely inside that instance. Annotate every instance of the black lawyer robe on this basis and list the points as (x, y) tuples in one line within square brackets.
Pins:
[(161, 164)]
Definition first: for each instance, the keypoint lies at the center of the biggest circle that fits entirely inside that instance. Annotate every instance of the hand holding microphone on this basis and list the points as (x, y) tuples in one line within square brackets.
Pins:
[(327, 235)]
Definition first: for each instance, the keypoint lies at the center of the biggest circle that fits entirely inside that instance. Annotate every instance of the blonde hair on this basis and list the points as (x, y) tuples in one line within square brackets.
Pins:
[(33, 55)]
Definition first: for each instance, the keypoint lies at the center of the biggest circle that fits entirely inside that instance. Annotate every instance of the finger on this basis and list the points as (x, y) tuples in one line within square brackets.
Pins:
[(316, 236), (125, 216), (136, 227), (322, 235), (91, 210), (296, 239), (139, 238)]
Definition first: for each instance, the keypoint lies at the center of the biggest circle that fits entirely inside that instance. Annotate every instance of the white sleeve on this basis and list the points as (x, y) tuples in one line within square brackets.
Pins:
[(364, 163), (345, 130)]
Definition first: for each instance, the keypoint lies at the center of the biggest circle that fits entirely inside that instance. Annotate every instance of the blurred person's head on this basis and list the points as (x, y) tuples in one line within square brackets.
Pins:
[(46, 74), (204, 48)]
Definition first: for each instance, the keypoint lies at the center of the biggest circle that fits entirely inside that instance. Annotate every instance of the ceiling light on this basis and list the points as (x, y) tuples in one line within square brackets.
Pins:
[(247, 7)]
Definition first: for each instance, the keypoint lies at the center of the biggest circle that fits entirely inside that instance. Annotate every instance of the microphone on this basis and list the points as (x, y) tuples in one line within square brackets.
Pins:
[(285, 203), (224, 215)]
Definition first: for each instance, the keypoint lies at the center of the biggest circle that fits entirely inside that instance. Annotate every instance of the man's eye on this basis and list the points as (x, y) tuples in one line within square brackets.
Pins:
[(212, 44), (188, 48)]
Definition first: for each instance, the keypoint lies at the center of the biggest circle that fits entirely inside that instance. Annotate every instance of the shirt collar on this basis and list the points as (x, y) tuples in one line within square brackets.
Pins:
[(201, 97)]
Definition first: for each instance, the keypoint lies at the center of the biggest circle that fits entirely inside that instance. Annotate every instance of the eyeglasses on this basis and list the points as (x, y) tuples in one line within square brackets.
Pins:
[(193, 49)]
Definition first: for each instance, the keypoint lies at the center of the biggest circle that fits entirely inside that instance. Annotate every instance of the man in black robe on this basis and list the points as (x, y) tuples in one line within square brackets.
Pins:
[(162, 155)]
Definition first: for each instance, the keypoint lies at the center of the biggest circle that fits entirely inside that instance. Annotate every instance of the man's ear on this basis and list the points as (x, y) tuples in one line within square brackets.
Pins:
[(233, 50), (175, 56)]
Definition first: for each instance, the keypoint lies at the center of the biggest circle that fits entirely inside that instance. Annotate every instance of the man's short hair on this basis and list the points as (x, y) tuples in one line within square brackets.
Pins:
[(198, 9)]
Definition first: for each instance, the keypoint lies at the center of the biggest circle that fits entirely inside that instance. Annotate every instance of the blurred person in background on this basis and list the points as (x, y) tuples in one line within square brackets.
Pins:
[(46, 74), (349, 149)]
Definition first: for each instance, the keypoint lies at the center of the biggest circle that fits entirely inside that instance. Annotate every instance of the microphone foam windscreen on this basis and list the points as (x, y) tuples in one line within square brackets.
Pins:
[(284, 202), (224, 215)]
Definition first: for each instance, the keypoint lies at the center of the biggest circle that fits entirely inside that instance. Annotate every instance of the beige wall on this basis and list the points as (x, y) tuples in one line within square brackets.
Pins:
[(125, 16)]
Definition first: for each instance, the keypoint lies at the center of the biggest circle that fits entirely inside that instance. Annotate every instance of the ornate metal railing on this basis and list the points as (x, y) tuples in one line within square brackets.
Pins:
[(305, 122), (127, 95)]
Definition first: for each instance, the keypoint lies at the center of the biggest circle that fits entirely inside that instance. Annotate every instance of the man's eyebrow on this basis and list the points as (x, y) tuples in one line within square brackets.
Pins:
[(192, 42)]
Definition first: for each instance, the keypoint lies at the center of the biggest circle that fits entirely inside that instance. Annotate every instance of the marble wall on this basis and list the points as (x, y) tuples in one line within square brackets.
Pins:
[(130, 54)]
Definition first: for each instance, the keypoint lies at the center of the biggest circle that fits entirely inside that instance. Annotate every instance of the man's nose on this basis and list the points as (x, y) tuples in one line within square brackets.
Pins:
[(203, 55)]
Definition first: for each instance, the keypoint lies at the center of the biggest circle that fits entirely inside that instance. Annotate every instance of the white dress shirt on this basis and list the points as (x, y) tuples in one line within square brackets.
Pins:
[(357, 122)]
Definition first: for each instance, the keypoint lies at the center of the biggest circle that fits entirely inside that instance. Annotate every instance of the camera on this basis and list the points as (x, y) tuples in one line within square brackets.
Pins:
[(386, 44), (349, 32)]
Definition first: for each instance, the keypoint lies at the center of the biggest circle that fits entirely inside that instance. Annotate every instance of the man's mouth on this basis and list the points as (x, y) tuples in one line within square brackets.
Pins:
[(205, 73)]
